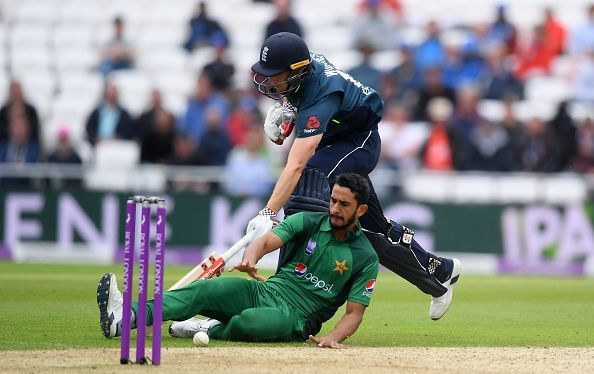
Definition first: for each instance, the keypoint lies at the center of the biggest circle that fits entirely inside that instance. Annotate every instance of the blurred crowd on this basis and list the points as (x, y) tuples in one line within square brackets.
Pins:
[(432, 94)]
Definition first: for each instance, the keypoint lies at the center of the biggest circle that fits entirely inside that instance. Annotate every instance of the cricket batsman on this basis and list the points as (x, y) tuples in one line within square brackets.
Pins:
[(330, 262), (336, 122)]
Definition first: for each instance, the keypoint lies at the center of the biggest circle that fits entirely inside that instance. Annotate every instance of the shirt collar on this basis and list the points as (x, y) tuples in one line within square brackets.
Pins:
[(350, 235)]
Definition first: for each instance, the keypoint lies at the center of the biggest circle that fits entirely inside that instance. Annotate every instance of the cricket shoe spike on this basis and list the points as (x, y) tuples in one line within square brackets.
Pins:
[(109, 300), (189, 327), (439, 305)]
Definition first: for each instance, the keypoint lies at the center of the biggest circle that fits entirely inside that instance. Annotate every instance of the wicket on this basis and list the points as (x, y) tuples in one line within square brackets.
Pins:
[(129, 244)]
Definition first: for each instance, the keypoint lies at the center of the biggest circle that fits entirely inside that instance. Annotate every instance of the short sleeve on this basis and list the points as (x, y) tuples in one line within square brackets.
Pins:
[(364, 283), (290, 227), (314, 119)]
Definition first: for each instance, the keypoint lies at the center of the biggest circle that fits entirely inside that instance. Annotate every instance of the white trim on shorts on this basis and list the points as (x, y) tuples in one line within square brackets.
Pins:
[(348, 154)]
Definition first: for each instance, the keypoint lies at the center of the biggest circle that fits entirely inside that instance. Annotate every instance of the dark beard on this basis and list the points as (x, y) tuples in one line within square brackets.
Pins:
[(348, 222)]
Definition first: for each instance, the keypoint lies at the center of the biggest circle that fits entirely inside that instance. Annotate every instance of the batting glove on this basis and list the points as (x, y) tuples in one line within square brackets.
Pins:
[(262, 223), (279, 123)]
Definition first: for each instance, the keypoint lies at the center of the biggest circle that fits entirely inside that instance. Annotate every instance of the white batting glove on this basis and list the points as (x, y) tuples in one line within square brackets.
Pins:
[(262, 223), (279, 123)]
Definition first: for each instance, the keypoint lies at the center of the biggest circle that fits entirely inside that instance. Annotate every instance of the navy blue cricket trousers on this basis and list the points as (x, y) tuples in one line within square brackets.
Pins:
[(359, 153)]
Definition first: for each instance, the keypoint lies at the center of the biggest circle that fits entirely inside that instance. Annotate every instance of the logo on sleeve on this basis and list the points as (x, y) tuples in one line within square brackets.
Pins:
[(341, 267), (313, 123), (369, 287), (310, 247), (300, 269)]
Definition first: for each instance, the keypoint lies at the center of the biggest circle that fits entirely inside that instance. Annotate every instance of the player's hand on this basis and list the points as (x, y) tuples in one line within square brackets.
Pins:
[(262, 223), (279, 123), (326, 342), (250, 268)]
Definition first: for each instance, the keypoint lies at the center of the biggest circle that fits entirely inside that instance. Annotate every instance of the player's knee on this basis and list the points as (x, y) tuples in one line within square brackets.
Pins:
[(259, 325)]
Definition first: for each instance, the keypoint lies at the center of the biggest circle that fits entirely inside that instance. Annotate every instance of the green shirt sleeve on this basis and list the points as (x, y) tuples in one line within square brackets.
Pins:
[(364, 283), (290, 227)]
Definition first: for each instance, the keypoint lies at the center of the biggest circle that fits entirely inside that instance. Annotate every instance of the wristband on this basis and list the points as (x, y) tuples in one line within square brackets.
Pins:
[(267, 212)]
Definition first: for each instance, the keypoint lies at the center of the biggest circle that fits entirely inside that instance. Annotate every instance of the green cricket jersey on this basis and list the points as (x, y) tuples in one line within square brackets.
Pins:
[(322, 272)]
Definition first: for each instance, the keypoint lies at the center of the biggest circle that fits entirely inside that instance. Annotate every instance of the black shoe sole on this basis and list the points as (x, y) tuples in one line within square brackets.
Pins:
[(102, 299)]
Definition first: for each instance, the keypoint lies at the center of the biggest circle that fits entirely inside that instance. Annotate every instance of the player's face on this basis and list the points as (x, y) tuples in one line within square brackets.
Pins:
[(274, 87), (344, 209)]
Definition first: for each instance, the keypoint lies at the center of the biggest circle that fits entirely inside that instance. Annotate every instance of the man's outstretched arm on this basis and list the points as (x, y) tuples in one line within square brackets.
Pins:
[(255, 251), (346, 327), (301, 151)]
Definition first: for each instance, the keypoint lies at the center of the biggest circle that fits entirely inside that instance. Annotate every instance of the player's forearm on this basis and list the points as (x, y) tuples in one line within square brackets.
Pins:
[(285, 185), (301, 151), (260, 247), (346, 327)]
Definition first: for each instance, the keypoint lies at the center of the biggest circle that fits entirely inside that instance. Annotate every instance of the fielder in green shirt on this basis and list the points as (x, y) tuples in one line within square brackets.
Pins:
[(331, 262)]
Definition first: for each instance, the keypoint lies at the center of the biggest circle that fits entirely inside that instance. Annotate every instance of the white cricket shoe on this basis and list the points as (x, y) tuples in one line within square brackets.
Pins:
[(109, 300), (439, 305), (189, 327)]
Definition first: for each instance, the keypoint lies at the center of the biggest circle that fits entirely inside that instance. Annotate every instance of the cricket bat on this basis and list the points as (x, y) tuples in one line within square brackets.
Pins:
[(213, 265)]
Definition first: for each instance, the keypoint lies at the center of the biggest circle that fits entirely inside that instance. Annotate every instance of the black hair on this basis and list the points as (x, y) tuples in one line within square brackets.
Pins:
[(357, 184)]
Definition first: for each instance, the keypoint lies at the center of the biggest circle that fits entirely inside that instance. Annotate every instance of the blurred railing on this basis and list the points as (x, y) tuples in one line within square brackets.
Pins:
[(463, 187)]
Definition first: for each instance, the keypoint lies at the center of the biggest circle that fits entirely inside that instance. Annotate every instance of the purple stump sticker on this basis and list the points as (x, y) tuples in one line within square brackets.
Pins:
[(143, 264), (159, 272)]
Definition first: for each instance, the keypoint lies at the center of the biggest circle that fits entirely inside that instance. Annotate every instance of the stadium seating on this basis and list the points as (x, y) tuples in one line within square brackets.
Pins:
[(54, 48)]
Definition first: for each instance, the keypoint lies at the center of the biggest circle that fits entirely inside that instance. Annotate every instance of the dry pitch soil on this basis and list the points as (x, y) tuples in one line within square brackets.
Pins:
[(308, 359)]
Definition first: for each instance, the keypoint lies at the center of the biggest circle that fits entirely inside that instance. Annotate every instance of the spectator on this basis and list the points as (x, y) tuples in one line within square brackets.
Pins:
[(430, 53), (514, 129), (109, 120), (186, 153), (204, 31), (537, 56), (156, 130), (193, 122), (403, 81), (215, 141), (249, 171), (16, 106), (283, 21), (65, 154), (494, 149), (118, 53), (18, 149), (503, 31), (389, 6), (583, 162), (563, 133), (537, 152), (498, 81), (365, 72), (438, 153), (400, 139), (582, 39), (432, 87), (244, 116), (220, 70), (482, 41), (583, 80), (375, 27), (462, 65), (466, 116), (555, 32)]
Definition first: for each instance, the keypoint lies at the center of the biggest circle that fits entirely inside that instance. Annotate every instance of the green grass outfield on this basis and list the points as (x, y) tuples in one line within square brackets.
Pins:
[(54, 307)]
